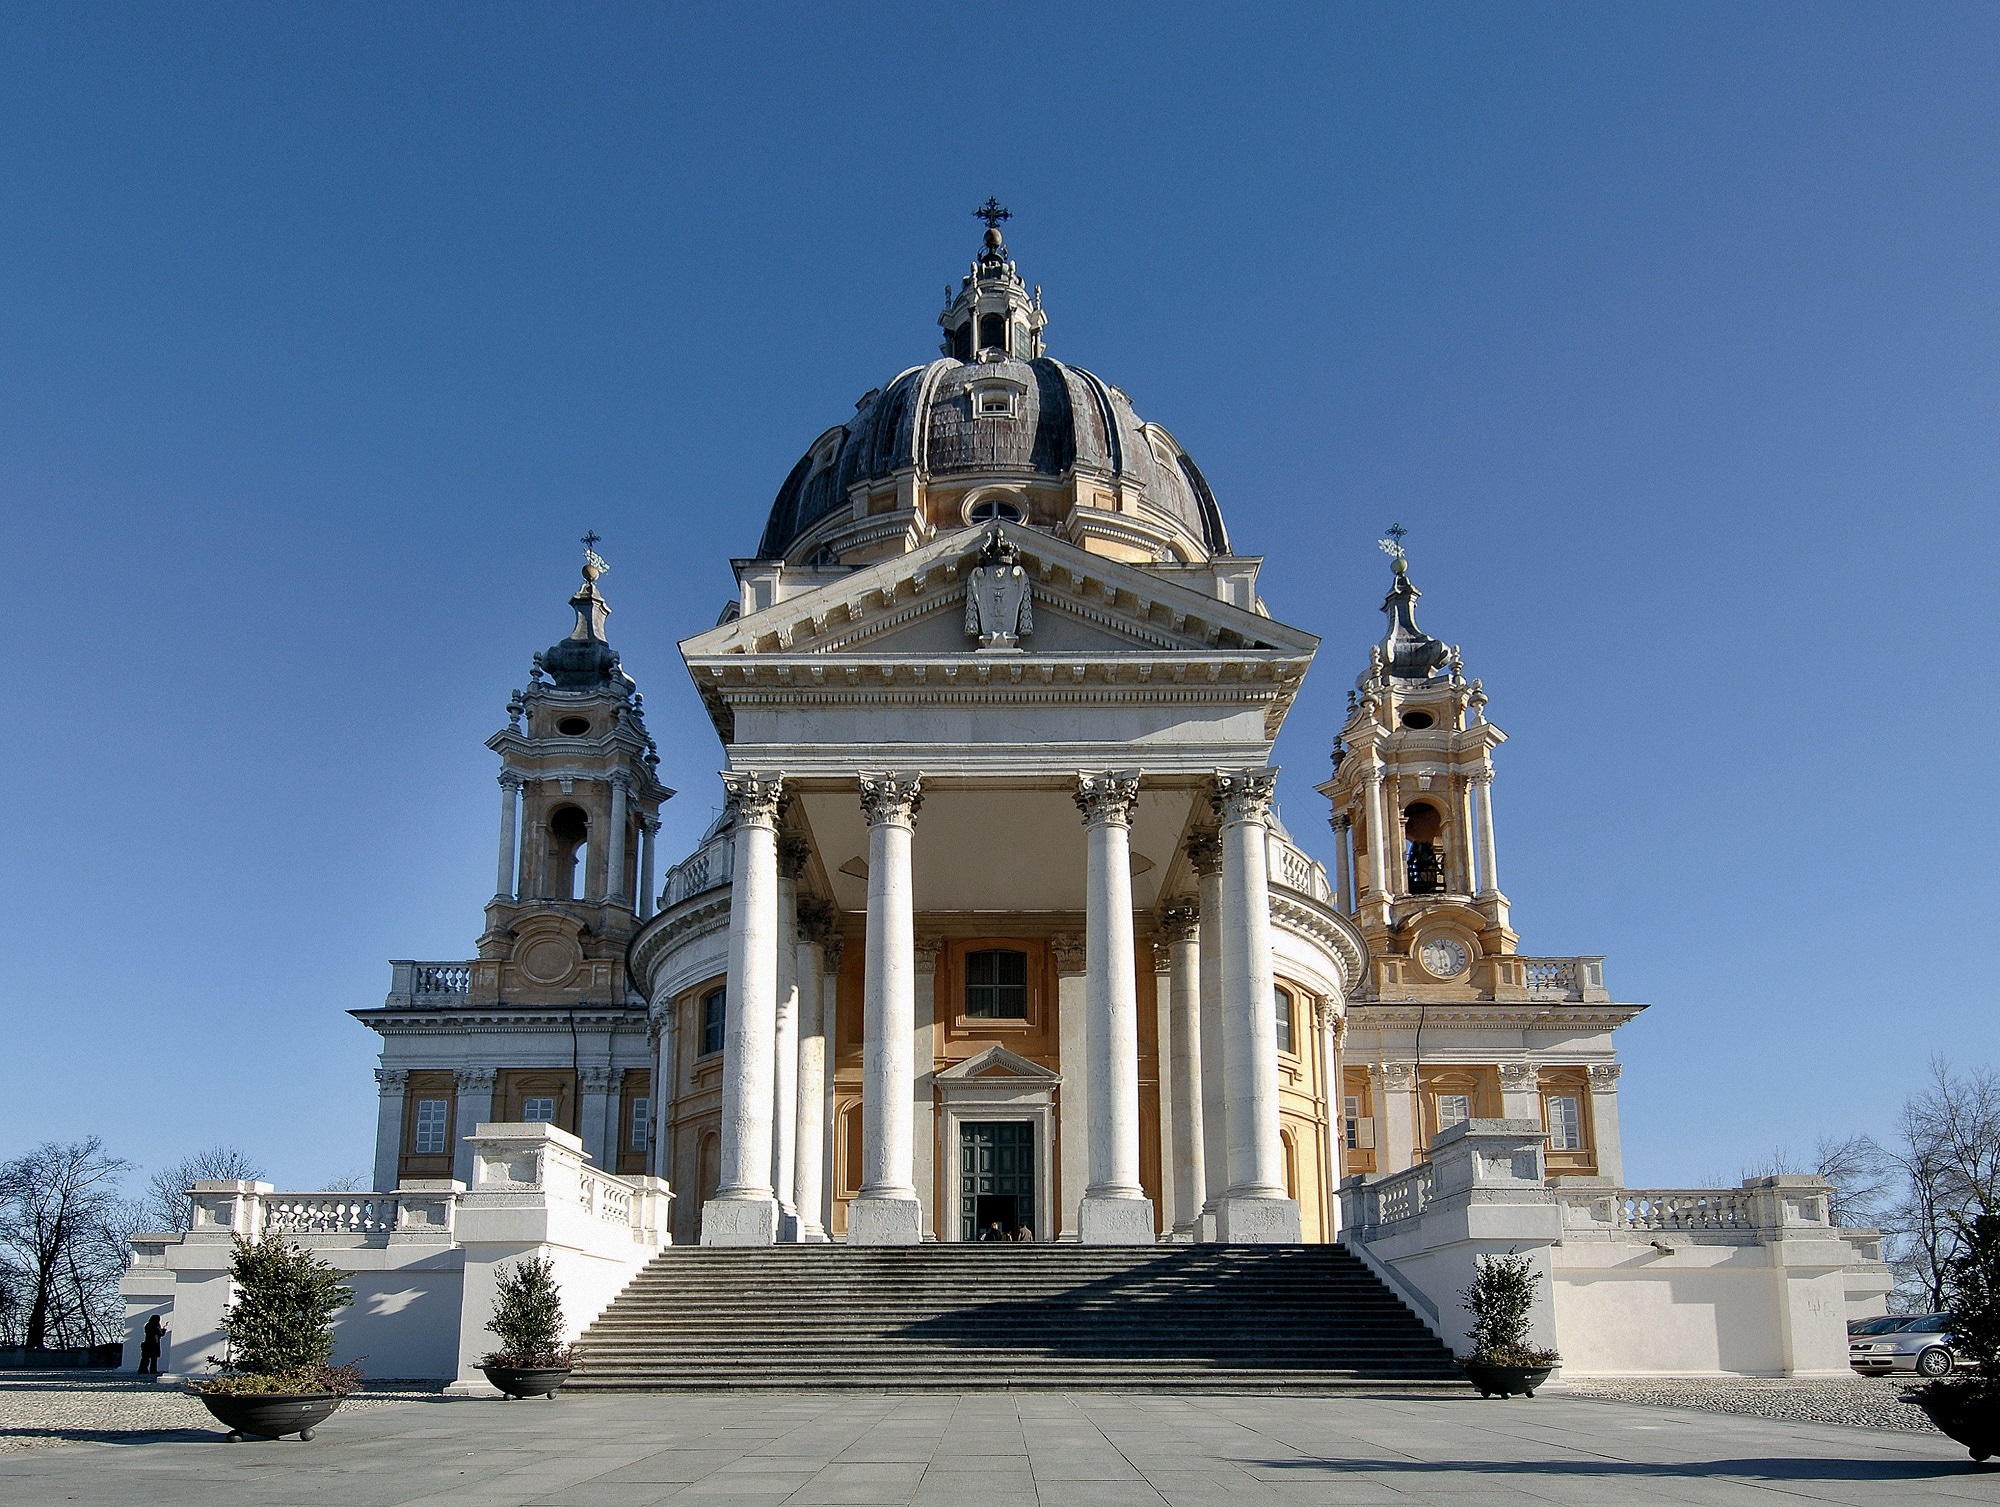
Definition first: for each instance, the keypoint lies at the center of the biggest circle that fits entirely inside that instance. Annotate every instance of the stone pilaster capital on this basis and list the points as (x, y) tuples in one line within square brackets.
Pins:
[(831, 946), (1069, 953), (1162, 955), (1204, 852), (1517, 1075), (1604, 1076), (1340, 821), (650, 825), (1482, 776), (754, 799), (391, 1080), (1243, 795), (596, 1080), (1107, 799), (476, 1079), (891, 799), (925, 952), (621, 779), (794, 848), (511, 780), (1180, 921), (1396, 1075)]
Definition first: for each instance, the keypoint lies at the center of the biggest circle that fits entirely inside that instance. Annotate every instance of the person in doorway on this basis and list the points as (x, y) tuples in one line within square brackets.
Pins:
[(149, 1346), (1024, 1236), (993, 1232)]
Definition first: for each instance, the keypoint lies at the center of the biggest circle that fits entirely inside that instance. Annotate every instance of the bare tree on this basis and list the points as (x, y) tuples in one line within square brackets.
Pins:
[(63, 1226), (348, 1182), (1861, 1173), (1948, 1156), (166, 1206)]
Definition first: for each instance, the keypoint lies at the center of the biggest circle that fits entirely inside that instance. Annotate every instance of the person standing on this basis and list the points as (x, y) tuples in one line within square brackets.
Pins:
[(149, 1346)]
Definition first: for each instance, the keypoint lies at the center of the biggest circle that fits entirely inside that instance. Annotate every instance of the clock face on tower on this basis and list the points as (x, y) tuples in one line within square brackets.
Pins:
[(1444, 957)]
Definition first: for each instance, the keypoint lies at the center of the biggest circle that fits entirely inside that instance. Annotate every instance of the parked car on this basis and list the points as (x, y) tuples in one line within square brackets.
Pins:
[(1877, 1326), (1922, 1345)]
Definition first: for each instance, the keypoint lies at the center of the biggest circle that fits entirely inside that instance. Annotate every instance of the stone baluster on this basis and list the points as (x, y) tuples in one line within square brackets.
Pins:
[(886, 1210), (793, 851), (393, 1086), (1180, 927), (1204, 853), (744, 1210), (510, 802), (1115, 1208), (1255, 1207)]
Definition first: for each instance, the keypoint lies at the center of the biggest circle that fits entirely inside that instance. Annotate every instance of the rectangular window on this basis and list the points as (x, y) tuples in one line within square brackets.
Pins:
[(1565, 1124), (1453, 1109), (714, 1011), (996, 985), (642, 1123), (1281, 1003), (433, 1127), (1350, 1114), (538, 1111)]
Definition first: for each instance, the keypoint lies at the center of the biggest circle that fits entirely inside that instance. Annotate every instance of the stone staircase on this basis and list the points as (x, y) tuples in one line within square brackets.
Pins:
[(958, 1318)]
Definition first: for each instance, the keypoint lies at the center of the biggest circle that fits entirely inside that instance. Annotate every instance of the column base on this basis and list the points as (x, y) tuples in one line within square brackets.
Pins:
[(739, 1221), (1204, 1226), (788, 1228), (1115, 1221), (885, 1221), (1185, 1234), (1254, 1219), (812, 1234)]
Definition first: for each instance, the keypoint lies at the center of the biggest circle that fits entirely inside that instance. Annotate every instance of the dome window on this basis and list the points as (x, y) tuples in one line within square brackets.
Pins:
[(573, 727), (993, 332), (996, 510)]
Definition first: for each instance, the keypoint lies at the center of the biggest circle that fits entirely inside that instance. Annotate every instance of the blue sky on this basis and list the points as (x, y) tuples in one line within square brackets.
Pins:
[(1668, 331)]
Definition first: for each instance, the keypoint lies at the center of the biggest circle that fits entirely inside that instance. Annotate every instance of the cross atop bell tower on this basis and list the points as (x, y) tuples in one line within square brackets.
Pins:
[(992, 317)]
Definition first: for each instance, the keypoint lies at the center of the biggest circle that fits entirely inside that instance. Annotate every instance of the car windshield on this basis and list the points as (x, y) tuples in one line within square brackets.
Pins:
[(1881, 1326), (1935, 1323)]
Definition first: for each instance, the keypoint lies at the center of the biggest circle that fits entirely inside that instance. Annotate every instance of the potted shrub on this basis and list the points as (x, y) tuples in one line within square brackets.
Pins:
[(275, 1379), (532, 1360), (1967, 1406), (1500, 1299)]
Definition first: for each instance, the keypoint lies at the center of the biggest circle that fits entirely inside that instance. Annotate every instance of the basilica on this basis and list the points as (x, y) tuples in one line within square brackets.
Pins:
[(1001, 934)]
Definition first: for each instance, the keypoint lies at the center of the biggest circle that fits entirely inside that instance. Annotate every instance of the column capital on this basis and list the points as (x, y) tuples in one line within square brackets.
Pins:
[(831, 946), (794, 848), (818, 920), (1604, 1076), (511, 779), (650, 825), (620, 779), (924, 953), (1107, 797), (596, 1079), (1340, 821), (754, 799), (1069, 953), (1204, 852), (1481, 776), (1517, 1075), (892, 799), (391, 1080), (476, 1078), (1180, 921), (1393, 1074), (1243, 795)]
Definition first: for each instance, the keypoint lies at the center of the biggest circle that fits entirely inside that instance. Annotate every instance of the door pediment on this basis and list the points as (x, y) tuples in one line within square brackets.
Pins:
[(996, 1067)]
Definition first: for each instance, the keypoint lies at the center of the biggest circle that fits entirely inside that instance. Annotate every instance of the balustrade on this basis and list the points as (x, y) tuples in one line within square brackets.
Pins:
[(1682, 1209), (329, 1213), (443, 978), (1551, 977)]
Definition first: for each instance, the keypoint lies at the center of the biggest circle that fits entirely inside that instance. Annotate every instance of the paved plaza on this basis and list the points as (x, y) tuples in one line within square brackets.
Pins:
[(1013, 1450)]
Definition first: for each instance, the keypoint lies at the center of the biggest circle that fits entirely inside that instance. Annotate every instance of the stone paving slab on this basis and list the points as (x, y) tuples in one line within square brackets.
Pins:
[(1084, 1450)]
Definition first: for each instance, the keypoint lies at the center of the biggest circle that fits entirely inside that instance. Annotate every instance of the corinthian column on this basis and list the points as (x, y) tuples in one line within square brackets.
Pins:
[(743, 1211), (1204, 851), (886, 1211), (614, 870), (1115, 1209), (510, 800), (816, 922), (1254, 1209), (1180, 925), (793, 850)]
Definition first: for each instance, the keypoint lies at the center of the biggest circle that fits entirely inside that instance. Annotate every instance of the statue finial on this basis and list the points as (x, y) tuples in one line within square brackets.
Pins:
[(1393, 547)]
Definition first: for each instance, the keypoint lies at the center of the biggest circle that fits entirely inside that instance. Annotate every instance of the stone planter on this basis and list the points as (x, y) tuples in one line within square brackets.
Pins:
[(1505, 1381), (1971, 1417), (527, 1381), (270, 1415)]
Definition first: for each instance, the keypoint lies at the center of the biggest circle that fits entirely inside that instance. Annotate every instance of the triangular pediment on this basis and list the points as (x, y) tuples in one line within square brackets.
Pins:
[(916, 606), (996, 1063)]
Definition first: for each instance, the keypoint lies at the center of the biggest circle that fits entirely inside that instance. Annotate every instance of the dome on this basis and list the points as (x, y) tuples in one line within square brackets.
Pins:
[(998, 423)]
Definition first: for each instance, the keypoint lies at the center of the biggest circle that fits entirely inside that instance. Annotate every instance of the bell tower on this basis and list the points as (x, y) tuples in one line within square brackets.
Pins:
[(580, 797), (1413, 810)]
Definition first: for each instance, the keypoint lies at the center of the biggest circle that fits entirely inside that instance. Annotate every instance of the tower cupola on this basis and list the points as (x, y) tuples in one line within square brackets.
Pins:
[(992, 311)]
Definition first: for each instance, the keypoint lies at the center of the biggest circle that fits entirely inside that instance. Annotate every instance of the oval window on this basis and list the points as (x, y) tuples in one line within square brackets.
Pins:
[(573, 727), (1416, 720), (995, 510)]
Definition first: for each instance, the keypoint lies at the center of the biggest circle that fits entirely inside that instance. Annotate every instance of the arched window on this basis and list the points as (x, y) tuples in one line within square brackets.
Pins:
[(569, 837), (995, 510), (1423, 830), (1291, 1163), (1281, 1006), (993, 332), (996, 984)]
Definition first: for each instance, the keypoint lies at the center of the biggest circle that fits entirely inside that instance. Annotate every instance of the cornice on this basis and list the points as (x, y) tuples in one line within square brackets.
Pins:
[(1326, 926), (659, 936), (1374, 1013)]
